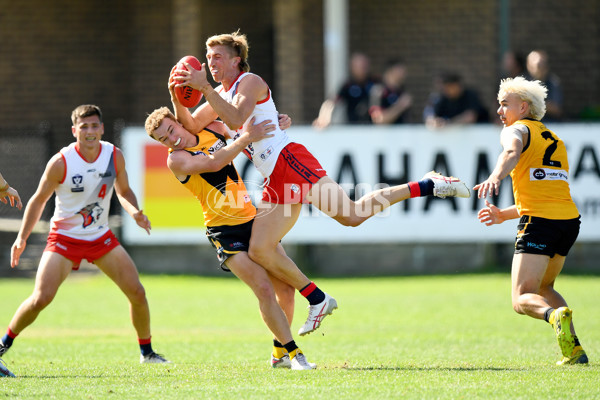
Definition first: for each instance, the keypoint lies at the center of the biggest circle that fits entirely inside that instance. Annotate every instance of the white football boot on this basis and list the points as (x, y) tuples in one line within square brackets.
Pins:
[(316, 313), (299, 362), (153, 358), (447, 186)]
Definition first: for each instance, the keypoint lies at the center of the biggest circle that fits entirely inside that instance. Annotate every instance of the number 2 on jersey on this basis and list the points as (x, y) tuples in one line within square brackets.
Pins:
[(550, 150)]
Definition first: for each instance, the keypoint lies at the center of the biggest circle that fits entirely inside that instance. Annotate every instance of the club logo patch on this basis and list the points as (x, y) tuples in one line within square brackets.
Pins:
[(77, 183)]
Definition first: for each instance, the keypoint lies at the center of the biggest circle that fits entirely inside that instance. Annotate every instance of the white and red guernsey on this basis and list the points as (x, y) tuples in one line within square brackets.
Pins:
[(264, 153), (83, 196)]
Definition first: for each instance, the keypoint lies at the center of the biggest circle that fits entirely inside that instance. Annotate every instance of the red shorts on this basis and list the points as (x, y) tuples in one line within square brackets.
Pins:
[(76, 249), (294, 174)]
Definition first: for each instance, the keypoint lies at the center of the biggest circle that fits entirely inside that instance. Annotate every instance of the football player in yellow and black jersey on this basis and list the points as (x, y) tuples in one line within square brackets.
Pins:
[(536, 159), (202, 162)]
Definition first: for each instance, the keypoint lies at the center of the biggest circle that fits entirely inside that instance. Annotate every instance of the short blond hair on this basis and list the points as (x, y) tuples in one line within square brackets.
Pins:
[(156, 118), (237, 44), (532, 92)]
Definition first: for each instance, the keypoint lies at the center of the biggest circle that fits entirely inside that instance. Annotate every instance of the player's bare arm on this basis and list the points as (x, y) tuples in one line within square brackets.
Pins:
[(251, 90), (203, 115), (126, 196), (492, 215), (507, 160), (182, 163), (53, 175)]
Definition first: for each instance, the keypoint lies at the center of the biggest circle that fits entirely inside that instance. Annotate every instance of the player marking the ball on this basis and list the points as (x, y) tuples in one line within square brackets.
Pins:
[(293, 176)]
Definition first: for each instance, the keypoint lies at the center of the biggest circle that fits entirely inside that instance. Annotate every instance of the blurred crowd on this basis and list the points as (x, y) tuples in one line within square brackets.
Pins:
[(369, 98)]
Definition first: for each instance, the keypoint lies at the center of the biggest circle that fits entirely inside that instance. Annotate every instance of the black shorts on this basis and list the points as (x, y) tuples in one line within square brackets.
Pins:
[(229, 240), (546, 236)]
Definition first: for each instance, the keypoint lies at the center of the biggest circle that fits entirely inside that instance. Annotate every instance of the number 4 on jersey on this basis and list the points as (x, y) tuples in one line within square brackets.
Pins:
[(102, 192)]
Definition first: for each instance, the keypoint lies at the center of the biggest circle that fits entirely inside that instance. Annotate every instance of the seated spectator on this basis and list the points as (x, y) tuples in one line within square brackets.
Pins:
[(539, 69), (353, 95), (390, 102), (455, 104)]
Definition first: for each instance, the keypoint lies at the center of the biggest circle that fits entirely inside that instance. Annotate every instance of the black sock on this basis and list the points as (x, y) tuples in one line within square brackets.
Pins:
[(426, 187), (146, 349), (313, 294), (547, 314), (576, 340), (290, 346), (7, 339), (277, 343)]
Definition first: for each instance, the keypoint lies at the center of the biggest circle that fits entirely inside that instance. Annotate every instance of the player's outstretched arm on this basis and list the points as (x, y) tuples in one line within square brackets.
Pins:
[(203, 115), (182, 163), (250, 90), (126, 196), (51, 178)]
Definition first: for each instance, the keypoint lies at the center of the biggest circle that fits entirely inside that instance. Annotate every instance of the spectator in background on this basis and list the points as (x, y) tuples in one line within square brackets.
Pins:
[(390, 102), (456, 104), (11, 193), (539, 69), (354, 95), (513, 64)]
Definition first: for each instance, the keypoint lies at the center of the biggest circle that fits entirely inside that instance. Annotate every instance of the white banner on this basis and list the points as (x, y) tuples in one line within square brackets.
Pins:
[(360, 158)]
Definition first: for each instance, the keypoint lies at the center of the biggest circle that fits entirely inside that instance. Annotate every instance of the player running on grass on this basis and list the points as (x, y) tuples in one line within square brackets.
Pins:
[(536, 159), (292, 174), (83, 176), (202, 162)]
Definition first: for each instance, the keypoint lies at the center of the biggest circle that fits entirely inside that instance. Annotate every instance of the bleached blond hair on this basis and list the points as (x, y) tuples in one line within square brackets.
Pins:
[(532, 92)]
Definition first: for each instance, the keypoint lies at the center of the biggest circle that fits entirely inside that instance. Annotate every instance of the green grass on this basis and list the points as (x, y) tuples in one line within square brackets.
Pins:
[(406, 337)]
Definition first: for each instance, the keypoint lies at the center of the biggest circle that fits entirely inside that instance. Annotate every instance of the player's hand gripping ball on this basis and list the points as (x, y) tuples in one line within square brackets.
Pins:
[(186, 95)]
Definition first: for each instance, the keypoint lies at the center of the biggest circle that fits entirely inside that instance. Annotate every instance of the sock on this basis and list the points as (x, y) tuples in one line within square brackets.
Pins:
[(421, 188), (576, 340), (292, 349), (146, 346), (7, 339), (548, 314), (278, 349), (313, 294)]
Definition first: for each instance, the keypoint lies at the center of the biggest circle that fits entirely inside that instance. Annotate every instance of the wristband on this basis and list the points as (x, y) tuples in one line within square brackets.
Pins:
[(5, 188)]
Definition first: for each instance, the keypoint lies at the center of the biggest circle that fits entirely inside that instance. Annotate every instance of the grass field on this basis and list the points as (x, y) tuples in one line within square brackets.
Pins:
[(405, 337)]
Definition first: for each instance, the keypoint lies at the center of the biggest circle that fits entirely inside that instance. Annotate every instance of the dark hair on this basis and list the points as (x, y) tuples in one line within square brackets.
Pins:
[(85, 110), (451, 77)]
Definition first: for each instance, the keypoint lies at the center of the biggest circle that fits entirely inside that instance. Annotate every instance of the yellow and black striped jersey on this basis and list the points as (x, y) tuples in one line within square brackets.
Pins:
[(222, 194), (541, 177)]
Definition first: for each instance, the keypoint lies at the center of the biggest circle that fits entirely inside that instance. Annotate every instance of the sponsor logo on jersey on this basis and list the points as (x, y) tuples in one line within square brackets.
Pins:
[(548, 174), (265, 154), (219, 145), (77, 183)]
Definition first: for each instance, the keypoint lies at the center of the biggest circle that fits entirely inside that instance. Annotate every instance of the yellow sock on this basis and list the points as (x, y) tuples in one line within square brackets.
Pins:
[(294, 352), (278, 352)]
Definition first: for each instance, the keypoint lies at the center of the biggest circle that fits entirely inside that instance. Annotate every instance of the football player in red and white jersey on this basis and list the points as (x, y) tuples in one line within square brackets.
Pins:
[(83, 176)]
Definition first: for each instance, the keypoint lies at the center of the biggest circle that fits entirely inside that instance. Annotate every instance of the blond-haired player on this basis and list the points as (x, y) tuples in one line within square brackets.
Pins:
[(536, 159)]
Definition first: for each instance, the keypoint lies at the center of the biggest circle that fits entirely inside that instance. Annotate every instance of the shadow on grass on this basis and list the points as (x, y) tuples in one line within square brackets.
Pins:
[(415, 368)]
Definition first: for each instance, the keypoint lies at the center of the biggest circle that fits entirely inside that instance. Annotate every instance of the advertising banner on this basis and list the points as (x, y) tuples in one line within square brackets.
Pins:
[(362, 159)]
